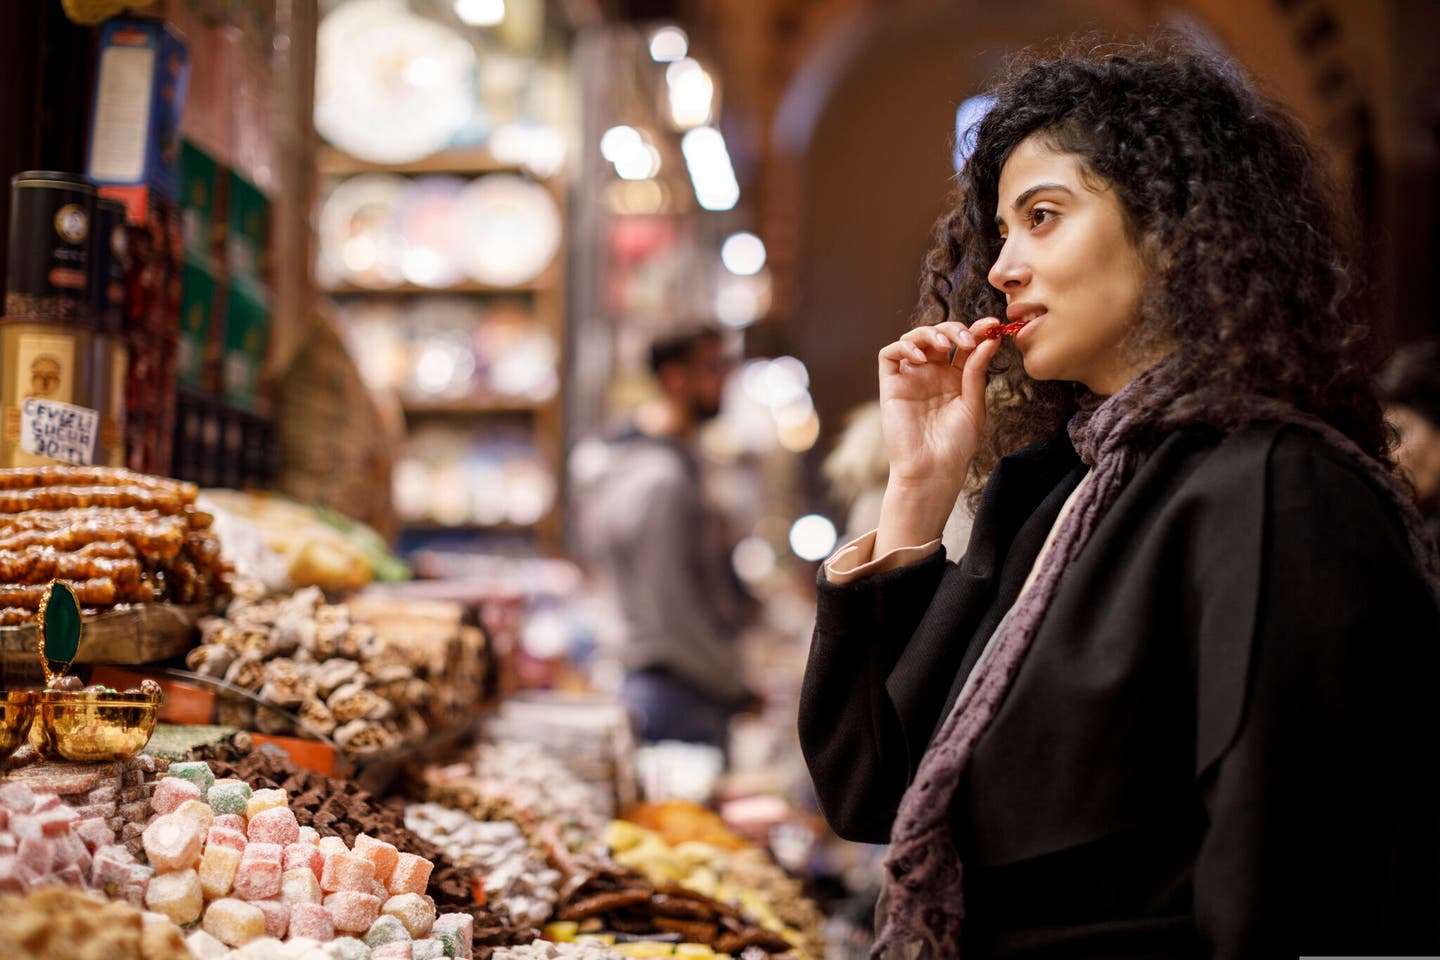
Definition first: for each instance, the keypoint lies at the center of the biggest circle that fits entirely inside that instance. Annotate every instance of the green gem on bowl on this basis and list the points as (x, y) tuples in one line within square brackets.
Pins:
[(60, 623)]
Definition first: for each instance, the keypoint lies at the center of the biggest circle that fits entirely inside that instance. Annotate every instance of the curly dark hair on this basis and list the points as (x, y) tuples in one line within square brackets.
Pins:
[(1248, 287)]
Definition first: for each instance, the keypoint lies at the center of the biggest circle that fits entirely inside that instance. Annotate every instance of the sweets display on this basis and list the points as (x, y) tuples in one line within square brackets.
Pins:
[(119, 537), (236, 860), (745, 876), (339, 675), (340, 808), (517, 878), (59, 922)]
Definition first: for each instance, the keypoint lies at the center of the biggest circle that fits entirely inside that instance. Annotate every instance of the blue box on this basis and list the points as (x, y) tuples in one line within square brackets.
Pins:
[(141, 76)]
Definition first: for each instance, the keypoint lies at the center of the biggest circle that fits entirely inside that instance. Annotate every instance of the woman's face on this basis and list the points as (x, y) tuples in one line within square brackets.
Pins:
[(1068, 266)]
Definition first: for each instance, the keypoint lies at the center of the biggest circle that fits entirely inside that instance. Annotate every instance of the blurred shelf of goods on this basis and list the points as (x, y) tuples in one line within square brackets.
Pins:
[(441, 245)]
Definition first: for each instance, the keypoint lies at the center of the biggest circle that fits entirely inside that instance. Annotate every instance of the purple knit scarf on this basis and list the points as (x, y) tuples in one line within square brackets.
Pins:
[(922, 906)]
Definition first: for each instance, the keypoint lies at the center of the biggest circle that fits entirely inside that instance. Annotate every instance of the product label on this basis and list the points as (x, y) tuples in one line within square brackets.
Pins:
[(59, 431), (122, 115)]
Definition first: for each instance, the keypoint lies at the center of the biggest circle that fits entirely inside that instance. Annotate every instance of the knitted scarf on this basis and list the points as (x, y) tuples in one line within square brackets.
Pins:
[(922, 904)]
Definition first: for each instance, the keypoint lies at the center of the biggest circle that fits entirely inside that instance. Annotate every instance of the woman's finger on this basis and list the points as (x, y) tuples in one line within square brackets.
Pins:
[(973, 378)]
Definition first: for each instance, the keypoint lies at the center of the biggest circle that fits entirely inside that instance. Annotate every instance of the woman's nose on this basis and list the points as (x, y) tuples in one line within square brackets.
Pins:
[(1010, 270)]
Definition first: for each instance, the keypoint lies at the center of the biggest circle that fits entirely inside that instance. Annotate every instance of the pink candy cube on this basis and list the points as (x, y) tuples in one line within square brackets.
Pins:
[(352, 912), (95, 833), (346, 871), (274, 825), (171, 792), (225, 837), (311, 920), (269, 852), (301, 854), (411, 874), (233, 821), (17, 797), (257, 879), (277, 917)]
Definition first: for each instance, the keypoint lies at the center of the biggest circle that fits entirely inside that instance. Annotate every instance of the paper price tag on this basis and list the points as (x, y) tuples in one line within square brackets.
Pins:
[(60, 431)]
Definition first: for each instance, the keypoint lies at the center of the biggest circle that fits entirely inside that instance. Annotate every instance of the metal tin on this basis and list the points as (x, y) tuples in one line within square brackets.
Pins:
[(47, 360), (109, 248), (52, 218)]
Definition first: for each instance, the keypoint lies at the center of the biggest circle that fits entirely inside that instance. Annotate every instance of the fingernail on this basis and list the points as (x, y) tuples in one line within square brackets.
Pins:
[(967, 339)]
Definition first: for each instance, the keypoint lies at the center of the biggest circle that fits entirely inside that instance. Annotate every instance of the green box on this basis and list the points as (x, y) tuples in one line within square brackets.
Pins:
[(202, 225), (197, 349), (247, 238), (247, 331)]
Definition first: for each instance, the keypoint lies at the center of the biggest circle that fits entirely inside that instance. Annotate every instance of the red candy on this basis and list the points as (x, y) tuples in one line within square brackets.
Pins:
[(1003, 330)]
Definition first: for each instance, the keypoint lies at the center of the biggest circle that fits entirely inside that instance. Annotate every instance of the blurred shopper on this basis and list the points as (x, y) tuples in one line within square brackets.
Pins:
[(663, 556), (1175, 700), (1409, 386)]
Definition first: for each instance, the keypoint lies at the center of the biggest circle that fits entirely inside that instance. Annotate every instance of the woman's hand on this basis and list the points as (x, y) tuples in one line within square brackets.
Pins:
[(932, 412)]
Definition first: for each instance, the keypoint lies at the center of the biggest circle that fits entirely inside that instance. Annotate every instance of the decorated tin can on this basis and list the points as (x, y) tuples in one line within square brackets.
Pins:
[(51, 222)]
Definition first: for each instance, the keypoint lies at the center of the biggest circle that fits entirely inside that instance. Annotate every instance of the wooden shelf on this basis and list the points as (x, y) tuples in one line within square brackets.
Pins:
[(461, 161), (545, 281), (460, 408)]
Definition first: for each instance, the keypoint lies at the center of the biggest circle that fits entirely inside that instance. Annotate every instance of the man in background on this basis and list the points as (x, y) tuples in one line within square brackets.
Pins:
[(663, 557)]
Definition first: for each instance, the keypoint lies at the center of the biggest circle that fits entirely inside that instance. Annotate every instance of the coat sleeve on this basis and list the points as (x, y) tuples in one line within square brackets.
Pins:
[(1323, 835), (850, 732)]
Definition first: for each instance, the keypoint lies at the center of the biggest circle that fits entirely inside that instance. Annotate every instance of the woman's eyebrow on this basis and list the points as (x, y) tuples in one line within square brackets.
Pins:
[(1024, 198)]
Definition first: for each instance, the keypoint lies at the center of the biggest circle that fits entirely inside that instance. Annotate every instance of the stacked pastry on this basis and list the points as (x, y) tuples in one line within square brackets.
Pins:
[(118, 538)]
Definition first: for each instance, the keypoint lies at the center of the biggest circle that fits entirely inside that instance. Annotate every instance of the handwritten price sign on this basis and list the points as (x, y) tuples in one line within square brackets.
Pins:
[(60, 431)]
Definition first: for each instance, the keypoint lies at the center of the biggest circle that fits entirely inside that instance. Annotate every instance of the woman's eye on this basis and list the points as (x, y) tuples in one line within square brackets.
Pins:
[(1040, 216)]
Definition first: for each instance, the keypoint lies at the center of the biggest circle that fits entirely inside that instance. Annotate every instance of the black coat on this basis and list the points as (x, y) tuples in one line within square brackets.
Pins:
[(1223, 741)]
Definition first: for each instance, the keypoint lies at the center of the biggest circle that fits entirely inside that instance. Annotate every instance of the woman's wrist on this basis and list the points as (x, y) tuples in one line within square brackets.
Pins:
[(913, 514)]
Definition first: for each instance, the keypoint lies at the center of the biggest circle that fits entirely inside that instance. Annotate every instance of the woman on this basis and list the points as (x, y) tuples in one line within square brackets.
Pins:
[(1173, 700)]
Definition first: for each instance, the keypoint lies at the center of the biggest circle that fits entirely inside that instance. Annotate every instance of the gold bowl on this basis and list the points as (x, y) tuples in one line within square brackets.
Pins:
[(93, 727), (17, 708)]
